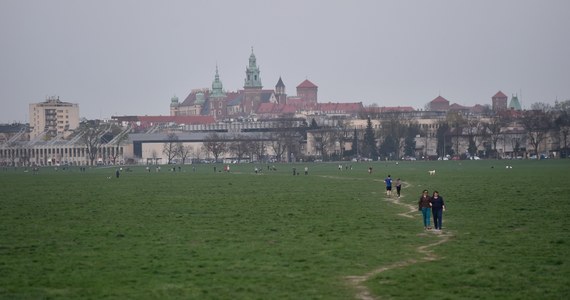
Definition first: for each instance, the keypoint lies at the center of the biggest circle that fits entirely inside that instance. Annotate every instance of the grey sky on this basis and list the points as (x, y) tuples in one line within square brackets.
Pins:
[(117, 57)]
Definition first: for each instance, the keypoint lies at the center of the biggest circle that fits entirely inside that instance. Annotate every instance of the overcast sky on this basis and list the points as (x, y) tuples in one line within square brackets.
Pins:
[(118, 57)]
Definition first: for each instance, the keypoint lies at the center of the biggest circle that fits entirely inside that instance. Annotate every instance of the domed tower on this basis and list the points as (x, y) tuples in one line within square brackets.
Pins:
[(252, 87), (217, 98), (252, 78), (174, 106), (217, 86), (280, 93)]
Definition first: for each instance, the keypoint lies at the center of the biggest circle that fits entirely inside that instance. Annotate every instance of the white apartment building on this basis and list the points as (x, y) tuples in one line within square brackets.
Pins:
[(52, 118)]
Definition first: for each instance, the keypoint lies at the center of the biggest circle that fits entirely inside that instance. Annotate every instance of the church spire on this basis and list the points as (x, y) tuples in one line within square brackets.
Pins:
[(217, 86), (280, 92), (252, 78)]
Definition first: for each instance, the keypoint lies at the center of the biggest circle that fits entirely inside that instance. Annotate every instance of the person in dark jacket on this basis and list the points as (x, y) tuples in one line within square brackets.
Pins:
[(398, 187), (437, 209), (424, 205)]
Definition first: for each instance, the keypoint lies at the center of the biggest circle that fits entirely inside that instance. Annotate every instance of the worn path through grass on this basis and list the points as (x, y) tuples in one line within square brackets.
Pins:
[(358, 282)]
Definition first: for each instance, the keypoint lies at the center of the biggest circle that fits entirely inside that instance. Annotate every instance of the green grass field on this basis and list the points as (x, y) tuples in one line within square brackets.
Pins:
[(329, 235)]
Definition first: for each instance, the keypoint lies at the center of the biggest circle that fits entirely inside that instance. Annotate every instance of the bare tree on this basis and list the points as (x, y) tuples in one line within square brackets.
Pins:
[(92, 131), (257, 148), (563, 122), (477, 133), (494, 128), (239, 146), (215, 144), (517, 140), (325, 141), (536, 123), (456, 123), (183, 152), (545, 107), (169, 148), (278, 145)]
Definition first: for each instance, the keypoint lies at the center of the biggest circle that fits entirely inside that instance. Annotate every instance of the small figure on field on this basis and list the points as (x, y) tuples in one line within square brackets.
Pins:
[(388, 182), (369, 170), (424, 205), (117, 173), (306, 170), (294, 171), (437, 209), (398, 187)]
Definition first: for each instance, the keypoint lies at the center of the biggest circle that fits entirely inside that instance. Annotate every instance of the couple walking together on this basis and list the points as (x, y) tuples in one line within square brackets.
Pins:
[(433, 204)]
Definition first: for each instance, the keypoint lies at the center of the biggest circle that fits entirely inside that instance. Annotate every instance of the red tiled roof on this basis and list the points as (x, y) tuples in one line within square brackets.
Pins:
[(456, 106), (500, 94), (294, 100), (439, 99), (478, 108), (340, 107), (274, 108), (306, 84)]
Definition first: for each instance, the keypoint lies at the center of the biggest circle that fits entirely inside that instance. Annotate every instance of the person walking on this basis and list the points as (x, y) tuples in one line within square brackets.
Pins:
[(398, 187), (388, 182), (437, 209), (424, 205)]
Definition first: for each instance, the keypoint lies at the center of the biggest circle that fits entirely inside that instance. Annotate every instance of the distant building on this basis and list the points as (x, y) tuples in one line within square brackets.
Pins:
[(439, 104), (499, 101), (515, 104), (13, 132), (52, 118), (249, 102), (307, 91), (280, 93)]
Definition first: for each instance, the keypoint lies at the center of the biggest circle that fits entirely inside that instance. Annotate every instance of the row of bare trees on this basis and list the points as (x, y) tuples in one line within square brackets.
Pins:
[(239, 146), (530, 127)]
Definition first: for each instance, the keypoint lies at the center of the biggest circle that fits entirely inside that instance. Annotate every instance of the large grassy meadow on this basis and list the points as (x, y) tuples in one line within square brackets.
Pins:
[(200, 234)]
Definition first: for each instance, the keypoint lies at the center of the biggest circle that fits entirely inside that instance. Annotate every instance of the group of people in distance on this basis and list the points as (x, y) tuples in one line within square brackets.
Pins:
[(431, 204), (398, 183)]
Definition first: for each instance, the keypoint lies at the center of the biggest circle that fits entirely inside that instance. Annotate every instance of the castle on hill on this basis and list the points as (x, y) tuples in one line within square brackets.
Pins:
[(254, 100)]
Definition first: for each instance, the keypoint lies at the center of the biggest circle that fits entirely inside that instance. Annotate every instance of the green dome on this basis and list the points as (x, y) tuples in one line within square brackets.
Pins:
[(200, 98), (174, 101)]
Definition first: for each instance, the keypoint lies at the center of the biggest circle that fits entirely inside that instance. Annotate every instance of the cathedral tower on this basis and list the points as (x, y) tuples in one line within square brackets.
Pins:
[(252, 86), (217, 98)]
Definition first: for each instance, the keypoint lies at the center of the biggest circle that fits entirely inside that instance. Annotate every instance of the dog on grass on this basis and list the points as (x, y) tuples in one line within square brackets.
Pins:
[(431, 172)]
